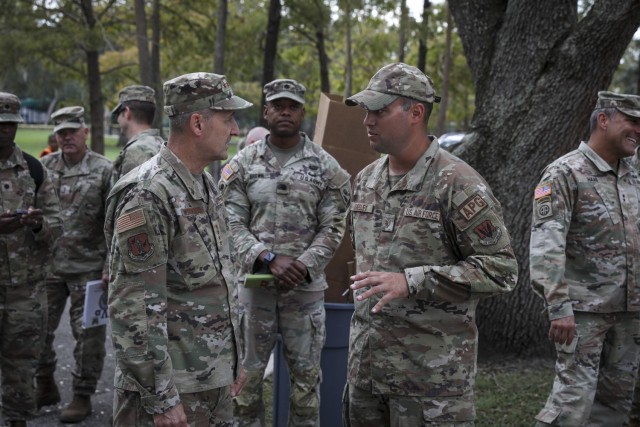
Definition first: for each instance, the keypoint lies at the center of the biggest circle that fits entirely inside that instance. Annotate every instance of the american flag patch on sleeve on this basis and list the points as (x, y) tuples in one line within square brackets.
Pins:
[(227, 172), (542, 190), (131, 220)]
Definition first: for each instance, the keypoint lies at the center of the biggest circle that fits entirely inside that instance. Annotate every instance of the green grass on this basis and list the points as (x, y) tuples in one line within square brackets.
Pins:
[(33, 139)]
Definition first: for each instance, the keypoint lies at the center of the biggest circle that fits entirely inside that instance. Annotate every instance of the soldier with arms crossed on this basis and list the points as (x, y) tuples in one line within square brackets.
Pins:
[(172, 301)]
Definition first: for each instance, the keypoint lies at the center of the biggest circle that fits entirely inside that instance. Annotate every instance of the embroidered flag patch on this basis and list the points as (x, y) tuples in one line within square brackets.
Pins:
[(131, 220), (542, 190), (227, 172)]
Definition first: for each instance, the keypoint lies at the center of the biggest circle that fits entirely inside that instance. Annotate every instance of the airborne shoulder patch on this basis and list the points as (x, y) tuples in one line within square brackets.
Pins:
[(130, 220)]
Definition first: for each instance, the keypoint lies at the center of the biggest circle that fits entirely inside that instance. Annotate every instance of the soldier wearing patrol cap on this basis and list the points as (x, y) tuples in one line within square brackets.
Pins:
[(584, 257), (134, 114), (172, 302), (430, 241), (29, 225), (287, 200), (82, 179)]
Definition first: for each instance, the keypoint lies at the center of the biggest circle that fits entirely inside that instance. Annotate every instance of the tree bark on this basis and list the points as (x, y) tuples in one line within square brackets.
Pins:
[(271, 48), (323, 58), (537, 68), (349, 66), (402, 42), (142, 40), (218, 57), (96, 104)]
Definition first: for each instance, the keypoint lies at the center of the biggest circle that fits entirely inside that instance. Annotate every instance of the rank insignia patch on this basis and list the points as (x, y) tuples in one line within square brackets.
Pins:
[(140, 249)]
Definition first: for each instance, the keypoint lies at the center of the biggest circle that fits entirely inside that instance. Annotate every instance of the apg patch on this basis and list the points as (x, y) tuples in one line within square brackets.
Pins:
[(472, 207), (140, 249), (489, 234)]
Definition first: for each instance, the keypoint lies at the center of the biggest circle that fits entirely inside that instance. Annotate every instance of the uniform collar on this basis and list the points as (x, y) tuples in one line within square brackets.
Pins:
[(185, 175)]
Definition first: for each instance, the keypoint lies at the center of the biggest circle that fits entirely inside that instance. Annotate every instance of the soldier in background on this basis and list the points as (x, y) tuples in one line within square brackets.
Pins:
[(82, 180), (134, 114), (287, 200), (584, 257), (254, 135), (29, 225), (430, 241), (172, 302)]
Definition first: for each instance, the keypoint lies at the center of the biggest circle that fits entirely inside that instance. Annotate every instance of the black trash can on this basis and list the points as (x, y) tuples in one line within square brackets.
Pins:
[(334, 370)]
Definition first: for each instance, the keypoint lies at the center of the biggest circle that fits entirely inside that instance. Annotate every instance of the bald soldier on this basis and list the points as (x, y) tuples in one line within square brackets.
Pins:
[(29, 225), (430, 241), (172, 302), (584, 261), (134, 114)]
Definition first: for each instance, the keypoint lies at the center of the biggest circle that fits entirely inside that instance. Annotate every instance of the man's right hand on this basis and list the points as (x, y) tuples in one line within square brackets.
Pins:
[(288, 271), (562, 330), (9, 223), (174, 417)]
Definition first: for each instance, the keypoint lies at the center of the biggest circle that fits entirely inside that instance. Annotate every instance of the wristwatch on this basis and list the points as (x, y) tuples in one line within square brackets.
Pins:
[(270, 256)]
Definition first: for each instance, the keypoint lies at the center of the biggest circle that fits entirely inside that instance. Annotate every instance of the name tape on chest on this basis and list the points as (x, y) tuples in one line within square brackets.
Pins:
[(193, 211), (422, 214), (472, 207), (362, 207), (131, 220)]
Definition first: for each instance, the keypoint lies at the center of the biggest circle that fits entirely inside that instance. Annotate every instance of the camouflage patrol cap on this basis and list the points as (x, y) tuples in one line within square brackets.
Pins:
[(68, 118), (133, 93), (627, 104), (9, 108), (393, 81), (284, 88), (197, 91)]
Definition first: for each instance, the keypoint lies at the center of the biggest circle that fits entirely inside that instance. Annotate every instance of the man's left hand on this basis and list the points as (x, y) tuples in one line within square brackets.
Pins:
[(390, 285), (236, 386)]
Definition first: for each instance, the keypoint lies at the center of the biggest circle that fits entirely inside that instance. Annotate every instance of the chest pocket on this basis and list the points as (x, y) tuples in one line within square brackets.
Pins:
[(607, 196), (194, 253)]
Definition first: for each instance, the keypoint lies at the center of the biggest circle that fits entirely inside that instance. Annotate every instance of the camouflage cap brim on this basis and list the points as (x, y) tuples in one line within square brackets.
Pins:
[(67, 125), (233, 103), (629, 111), (115, 113), (11, 118), (371, 100), (287, 95)]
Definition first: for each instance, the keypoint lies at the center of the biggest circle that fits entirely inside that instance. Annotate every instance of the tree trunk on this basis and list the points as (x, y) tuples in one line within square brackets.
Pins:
[(218, 57), (96, 104), (156, 78), (325, 84), (537, 68), (402, 42), (142, 40), (442, 111), (270, 48), (424, 32), (349, 66)]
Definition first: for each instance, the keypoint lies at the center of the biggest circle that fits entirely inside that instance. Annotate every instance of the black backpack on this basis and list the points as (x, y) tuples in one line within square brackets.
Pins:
[(35, 169)]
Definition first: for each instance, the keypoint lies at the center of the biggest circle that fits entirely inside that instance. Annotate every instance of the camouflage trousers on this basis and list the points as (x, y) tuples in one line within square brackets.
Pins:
[(89, 350), (209, 408), (299, 318), (595, 374), (361, 408), (634, 414), (23, 311)]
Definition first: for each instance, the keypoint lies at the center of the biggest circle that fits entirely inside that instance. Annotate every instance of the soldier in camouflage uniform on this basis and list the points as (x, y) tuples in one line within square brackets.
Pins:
[(287, 201), (584, 260), (430, 241), (25, 244), (172, 300), (134, 114), (82, 179)]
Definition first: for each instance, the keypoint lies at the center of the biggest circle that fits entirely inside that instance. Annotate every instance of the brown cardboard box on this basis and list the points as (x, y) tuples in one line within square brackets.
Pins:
[(339, 130)]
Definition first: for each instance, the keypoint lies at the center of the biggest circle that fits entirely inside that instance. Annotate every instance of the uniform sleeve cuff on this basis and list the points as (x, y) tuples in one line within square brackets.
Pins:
[(558, 311), (159, 404), (416, 278)]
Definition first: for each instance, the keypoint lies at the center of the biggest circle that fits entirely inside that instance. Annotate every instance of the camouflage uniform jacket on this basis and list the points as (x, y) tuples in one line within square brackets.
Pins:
[(297, 210), (172, 305), (24, 255), (136, 151), (585, 242), (440, 225), (82, 190)]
